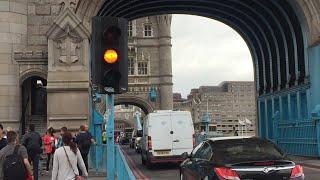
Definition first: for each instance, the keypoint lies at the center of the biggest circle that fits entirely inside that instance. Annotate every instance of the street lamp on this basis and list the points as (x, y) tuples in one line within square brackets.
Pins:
[(206, 118)]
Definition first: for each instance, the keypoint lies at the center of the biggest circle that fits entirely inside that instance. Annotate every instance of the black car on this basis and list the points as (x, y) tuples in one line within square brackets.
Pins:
[(238, 158)]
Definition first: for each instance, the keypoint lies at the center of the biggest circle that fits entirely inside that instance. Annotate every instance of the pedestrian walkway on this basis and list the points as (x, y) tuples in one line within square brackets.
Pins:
[(92, 176), (307, 161)]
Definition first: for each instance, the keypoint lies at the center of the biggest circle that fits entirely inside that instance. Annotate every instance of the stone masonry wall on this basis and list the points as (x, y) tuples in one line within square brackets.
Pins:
[(13, 37)]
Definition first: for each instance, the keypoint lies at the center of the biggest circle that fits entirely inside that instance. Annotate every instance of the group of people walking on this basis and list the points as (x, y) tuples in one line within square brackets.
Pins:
[(70, 154)]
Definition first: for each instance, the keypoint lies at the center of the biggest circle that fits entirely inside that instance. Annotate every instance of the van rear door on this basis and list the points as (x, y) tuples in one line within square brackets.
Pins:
[(160, 127), (183, 131)]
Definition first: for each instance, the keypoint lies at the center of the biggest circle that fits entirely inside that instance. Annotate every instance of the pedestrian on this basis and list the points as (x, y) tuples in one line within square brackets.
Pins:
[(104, 137), (49, 145), (33, 142), (7, 130), (3, 139), (235, 132), (14, 163), (84, 141), (59, 139), (66, 159)]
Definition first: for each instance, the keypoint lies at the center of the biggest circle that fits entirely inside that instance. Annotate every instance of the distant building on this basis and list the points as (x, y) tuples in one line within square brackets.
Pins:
[(225, 104)]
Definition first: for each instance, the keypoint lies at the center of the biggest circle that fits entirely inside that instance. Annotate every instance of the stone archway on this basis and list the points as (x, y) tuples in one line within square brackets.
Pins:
[(136, 101), (283, 37)]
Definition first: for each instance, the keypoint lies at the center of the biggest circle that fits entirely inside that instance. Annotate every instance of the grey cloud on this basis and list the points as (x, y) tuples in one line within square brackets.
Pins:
[(207, 52)]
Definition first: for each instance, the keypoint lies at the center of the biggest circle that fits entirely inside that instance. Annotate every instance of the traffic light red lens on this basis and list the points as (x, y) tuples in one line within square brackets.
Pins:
[(110, 56)]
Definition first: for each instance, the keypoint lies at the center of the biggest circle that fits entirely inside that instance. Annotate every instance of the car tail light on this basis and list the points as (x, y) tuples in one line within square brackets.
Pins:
[(297, 171), (149, 143), (193, 140), (226, 174)]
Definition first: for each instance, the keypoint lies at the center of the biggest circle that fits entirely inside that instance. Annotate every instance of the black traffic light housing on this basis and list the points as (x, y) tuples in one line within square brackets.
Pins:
[(109, 33)]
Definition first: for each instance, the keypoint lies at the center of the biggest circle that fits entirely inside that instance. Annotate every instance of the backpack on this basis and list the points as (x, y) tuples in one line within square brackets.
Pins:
[(13, 166), (84, 142), (32, 143)]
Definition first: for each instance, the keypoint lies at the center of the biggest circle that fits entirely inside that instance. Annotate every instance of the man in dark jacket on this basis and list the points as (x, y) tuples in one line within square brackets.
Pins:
[(33, 142), (84, 140)]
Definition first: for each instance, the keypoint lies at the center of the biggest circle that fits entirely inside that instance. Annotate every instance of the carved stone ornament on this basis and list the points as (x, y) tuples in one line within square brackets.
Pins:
[(69, 4), (68, 43)]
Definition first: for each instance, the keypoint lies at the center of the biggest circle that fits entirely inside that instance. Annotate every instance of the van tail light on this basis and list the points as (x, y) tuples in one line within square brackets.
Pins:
[(226, 174), (194, 140), (297, 171), (149, 143)]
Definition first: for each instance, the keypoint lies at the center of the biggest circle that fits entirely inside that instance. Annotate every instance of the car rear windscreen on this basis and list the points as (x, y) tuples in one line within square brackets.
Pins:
[(244, 150)]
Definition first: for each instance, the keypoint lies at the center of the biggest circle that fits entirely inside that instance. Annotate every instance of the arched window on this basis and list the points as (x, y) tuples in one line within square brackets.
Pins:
[(147, 30), (130, 29), (131, 65), (143, 64)]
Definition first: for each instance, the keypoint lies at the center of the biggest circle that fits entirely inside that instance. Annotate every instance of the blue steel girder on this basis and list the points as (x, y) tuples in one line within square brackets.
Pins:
[(136, 9), (298, 32), (290, 59), (305, 32), (271, 36), (281, 39), (293, 68)]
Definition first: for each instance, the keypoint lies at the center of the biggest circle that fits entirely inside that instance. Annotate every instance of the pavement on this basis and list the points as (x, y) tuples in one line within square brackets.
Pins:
[(310, 162), (92, 176)]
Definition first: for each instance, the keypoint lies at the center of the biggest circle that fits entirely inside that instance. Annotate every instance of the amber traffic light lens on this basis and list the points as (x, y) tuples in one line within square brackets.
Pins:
[(110, 56)]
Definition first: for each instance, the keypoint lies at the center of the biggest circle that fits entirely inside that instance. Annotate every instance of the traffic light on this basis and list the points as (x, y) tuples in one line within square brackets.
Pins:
[(109, 54)]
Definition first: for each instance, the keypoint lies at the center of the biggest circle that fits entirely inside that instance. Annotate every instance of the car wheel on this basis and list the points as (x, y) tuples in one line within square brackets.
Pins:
[(142, 160), (182, 177), (206, 178), (148, 162)]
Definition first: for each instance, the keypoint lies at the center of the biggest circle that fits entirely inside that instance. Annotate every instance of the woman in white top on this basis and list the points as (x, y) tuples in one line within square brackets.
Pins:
[(66, 159)]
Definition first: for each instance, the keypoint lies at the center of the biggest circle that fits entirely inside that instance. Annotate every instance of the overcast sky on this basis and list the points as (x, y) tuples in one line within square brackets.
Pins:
[(207, 52)]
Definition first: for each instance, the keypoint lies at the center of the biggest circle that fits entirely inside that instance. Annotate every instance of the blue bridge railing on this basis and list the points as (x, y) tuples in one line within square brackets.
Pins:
[(298, 138), (123, 171), (98, 162)]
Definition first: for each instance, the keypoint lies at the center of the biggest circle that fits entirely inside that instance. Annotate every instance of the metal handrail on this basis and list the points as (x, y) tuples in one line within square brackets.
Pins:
[(123, 171)]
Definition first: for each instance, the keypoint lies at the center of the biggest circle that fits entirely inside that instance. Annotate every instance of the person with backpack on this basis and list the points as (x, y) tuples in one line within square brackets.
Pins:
[(33, 142), (49, 145), (66, 159), (14, 163), (84, 141)]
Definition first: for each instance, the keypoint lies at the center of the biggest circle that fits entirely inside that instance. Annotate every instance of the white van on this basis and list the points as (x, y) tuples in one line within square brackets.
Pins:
[(166, 135)]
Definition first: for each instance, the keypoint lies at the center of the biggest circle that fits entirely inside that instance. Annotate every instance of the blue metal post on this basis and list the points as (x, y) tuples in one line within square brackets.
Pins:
[(299, 106), (207, 123), (289, 107), (276, 118), (314, 59), (98, 120), (281, 108), (110, 135), (266, 128), (316, 118)]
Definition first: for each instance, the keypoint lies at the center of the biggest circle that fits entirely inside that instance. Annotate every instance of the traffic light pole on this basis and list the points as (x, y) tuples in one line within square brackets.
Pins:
[(110, 134)]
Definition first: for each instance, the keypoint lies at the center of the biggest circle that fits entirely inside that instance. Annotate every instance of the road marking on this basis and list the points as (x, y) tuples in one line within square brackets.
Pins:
[(136, 169), (133, 166)]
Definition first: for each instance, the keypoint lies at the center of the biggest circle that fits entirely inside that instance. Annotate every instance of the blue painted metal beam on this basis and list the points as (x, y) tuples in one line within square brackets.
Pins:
[(110, 142)]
